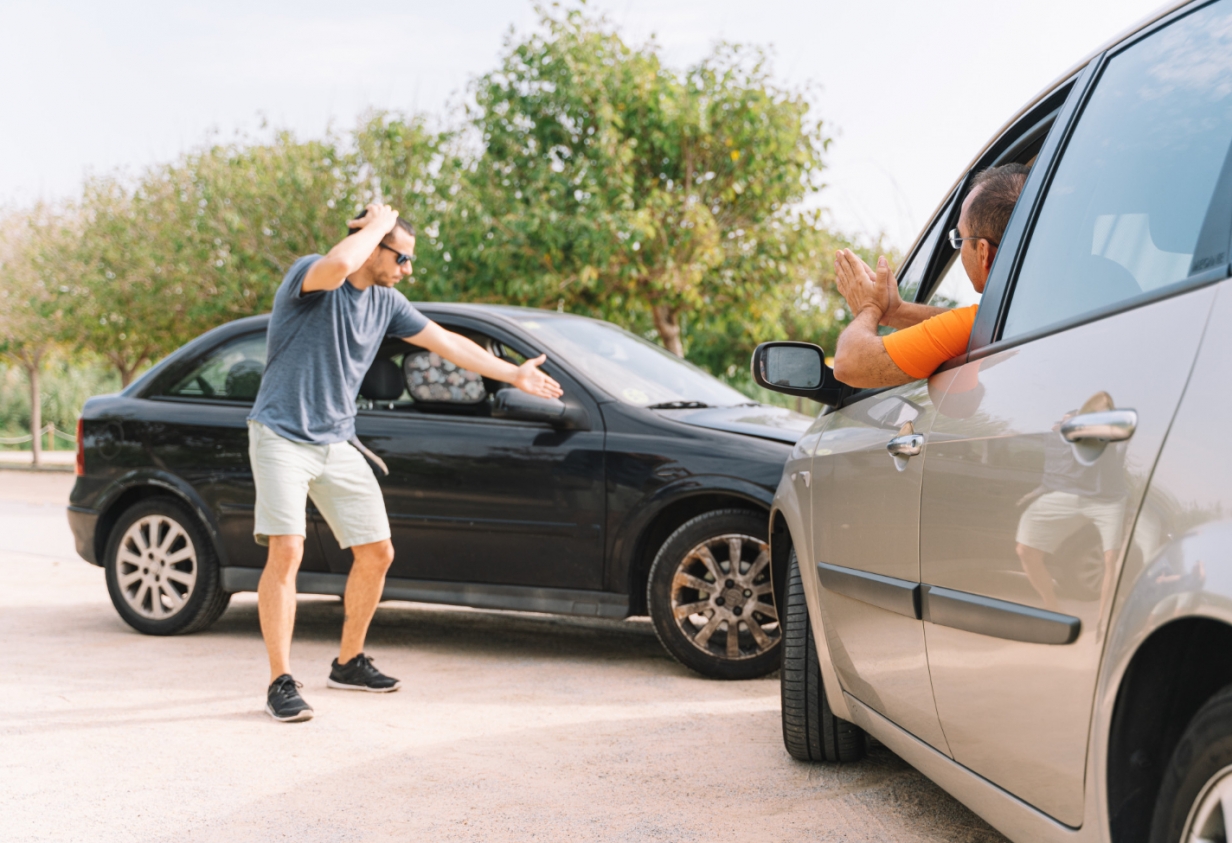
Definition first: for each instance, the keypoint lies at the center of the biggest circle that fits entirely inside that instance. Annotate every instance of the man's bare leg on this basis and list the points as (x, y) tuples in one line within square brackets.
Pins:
[(1032, 560), (363, 592), (276, 600)]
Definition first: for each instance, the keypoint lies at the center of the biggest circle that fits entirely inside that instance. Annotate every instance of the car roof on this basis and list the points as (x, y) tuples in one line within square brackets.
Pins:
[(1161, 12)]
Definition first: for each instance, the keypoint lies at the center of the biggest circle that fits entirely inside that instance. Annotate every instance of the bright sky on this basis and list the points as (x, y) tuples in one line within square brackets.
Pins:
[(911, 89)]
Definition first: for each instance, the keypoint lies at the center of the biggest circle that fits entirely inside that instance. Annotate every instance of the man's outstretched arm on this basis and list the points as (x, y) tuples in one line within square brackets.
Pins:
[(463, 352), (349, 255)]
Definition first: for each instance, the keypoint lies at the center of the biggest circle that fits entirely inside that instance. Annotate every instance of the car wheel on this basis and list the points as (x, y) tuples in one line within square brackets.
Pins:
[(711, 598), (811, 732), (1197, 784), (162, 574)]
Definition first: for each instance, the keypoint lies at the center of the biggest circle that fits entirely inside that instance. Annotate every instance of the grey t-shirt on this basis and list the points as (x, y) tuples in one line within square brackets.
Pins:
[(319, 348)]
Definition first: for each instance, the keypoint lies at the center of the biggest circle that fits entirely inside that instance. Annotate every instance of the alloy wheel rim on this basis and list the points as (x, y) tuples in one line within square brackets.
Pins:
[(1211, 812), (722, 599), (156, 567)]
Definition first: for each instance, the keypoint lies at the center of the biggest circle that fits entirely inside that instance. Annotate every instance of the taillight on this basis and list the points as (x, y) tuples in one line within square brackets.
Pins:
[(81, 448)]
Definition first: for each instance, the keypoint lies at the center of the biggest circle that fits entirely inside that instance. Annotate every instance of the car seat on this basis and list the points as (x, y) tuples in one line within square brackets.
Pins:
[(383, 382), (244, 379)]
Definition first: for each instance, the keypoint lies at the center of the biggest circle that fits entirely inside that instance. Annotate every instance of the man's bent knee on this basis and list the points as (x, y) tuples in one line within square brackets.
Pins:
[(285, 555), (378, 555)]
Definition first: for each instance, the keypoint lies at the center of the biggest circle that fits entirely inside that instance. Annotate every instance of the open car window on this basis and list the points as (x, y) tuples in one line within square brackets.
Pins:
[(408, 379), (231, 372)]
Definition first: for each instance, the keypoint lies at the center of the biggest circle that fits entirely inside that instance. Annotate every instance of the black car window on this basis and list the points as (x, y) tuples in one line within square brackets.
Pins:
[(231, 372), (1126, 205)]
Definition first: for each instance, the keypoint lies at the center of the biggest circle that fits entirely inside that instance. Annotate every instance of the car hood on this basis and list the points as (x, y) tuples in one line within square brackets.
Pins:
[(762, 420)]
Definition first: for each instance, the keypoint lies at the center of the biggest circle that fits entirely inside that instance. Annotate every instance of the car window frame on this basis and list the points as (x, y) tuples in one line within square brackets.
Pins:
[(1042, 118), (986, 335)]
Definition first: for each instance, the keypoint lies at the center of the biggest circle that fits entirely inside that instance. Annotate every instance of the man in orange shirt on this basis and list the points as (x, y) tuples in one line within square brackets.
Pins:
[(927, 336)]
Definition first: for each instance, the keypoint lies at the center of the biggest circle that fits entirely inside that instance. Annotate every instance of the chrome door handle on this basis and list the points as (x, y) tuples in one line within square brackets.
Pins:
[(1108, 426), (906, 446)]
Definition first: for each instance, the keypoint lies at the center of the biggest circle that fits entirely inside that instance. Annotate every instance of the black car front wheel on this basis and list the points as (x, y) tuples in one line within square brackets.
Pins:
[(811, 732), (162, 574), (711, 598)]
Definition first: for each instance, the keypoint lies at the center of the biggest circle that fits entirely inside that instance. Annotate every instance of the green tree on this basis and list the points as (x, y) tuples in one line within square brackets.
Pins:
[(665, 201), (31, 319), (201, 241)]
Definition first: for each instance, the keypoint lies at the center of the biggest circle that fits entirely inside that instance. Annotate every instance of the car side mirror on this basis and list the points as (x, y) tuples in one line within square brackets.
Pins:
[(513, 403), (797, 368)]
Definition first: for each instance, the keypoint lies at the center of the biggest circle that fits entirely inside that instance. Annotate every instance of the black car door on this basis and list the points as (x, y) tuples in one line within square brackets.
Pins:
[(473, 498), (200, 433)]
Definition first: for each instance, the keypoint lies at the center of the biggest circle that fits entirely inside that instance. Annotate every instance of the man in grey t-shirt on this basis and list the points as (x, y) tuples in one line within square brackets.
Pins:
[(331, 314)]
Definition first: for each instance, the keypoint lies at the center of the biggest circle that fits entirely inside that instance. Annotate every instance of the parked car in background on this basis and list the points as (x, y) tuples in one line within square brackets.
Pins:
[(1017, 573), (646, 490)]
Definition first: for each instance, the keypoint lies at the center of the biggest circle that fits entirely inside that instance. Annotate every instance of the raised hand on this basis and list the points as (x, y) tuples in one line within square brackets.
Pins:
[(530, 379), (865, 288), (382, 218)]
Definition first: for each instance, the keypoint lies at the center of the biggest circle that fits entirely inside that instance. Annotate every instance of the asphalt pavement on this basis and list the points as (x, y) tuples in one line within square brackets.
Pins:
[(509, 726)]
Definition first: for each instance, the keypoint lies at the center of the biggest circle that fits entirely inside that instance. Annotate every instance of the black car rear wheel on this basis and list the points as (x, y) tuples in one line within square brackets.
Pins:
[(811, 732), (711, 598), (162, 574)]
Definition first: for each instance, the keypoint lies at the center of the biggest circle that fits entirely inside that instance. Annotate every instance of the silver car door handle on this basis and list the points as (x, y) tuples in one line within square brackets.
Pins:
[(906, 446), (1108, 426)]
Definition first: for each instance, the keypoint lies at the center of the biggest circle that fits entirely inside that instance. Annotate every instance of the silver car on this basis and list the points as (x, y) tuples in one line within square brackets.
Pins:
[(1017, 573)]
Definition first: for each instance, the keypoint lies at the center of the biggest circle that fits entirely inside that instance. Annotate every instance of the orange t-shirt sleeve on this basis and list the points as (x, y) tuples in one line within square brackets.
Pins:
[(920, 349)]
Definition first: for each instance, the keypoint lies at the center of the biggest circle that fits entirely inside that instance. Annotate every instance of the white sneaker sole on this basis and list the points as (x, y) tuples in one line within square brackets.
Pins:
[(334, 683), (306, 714)]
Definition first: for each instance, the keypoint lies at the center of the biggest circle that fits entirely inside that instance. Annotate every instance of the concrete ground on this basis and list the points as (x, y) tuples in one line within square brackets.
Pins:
[(508, 727)]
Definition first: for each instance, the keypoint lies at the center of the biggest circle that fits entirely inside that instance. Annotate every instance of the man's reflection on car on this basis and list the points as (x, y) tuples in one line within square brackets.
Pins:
[(1072, 494)]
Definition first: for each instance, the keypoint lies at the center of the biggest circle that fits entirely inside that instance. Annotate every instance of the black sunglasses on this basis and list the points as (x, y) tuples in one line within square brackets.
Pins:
[(401, 257)]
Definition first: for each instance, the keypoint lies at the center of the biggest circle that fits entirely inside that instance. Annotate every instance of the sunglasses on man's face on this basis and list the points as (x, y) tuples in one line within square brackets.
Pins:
[(401, 258)]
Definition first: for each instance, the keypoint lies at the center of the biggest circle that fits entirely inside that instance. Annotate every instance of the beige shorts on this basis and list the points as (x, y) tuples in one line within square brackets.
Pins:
[(336, 477), (1055, 516)]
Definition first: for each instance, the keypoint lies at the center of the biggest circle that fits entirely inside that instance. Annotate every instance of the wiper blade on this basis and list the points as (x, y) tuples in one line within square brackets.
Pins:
[(679, 405)]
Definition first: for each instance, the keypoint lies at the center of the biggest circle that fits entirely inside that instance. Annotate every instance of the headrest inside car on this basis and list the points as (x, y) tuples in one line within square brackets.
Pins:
[(383, 381), (431, 379), (244, 379)]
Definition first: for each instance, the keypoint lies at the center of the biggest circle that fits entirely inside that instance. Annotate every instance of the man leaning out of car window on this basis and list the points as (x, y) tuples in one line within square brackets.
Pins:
[(927, 336)]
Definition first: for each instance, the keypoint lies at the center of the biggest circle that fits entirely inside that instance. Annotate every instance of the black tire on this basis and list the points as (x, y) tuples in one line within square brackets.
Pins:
[(811, 732), (1200, 764), (699, 640), (148, 585)]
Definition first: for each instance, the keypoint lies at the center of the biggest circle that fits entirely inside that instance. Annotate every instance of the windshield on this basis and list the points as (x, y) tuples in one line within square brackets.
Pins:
[(630, 368)]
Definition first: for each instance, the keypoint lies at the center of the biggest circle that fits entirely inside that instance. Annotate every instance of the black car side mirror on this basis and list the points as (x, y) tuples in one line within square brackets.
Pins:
[(513, 403), (797, 368)]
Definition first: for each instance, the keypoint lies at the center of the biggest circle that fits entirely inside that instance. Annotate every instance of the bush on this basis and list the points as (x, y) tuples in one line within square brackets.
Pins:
[(65, 384)]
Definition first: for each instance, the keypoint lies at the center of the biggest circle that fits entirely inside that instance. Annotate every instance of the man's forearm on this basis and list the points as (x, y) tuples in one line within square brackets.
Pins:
[(860, 357), (909, 313), (465, 353)]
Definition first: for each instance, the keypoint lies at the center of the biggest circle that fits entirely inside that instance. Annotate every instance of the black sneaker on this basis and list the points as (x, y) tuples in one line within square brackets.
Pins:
[(283, 702), (359, 674)]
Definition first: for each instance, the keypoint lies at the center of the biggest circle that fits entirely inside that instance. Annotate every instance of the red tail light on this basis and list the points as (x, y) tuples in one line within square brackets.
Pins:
[(81, 448)]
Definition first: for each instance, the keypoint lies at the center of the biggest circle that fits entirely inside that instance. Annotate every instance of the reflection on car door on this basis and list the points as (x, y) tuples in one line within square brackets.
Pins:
[(1028, 496), (866, 507)]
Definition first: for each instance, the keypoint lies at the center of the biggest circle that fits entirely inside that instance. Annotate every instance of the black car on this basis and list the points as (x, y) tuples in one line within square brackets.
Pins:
[(644, 491)]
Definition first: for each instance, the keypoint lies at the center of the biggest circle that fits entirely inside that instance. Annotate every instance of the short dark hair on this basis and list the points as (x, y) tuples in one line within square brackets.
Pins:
[(998, 190), (402, 224)]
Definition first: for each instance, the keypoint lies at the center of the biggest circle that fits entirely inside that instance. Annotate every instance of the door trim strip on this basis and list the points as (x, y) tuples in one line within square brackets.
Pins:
[(997, 618), (952, 608), (894, 595)]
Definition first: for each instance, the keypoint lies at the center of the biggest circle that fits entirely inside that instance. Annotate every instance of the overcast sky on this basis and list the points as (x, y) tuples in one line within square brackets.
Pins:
[(911, 89)]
